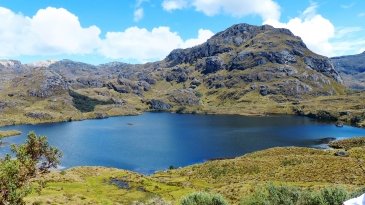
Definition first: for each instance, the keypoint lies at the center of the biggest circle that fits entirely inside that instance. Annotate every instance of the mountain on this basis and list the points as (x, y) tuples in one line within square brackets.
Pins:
[(243, 70), (352, 69)]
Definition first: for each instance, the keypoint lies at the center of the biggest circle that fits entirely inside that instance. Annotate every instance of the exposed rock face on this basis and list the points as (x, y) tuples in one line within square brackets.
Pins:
[(262, 54), (159, 105), (39, 115), (50, 84), (352, 70), (184, 97), (177, 74), (324, 66)]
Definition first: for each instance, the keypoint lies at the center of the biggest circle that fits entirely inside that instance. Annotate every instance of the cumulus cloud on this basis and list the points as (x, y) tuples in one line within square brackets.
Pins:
[(170, 5), (56, 31), (203, 35), (143, 45), (138, 14), (266, 9), (315, 30), (50, 31)]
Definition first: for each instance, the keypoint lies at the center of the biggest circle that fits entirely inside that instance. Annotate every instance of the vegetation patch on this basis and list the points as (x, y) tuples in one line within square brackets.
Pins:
[(9, 133), (86, 104), (287, 195), (348, 143), (291, 175)]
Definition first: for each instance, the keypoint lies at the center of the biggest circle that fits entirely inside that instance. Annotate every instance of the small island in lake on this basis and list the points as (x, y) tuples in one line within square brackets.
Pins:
[(9, 133)]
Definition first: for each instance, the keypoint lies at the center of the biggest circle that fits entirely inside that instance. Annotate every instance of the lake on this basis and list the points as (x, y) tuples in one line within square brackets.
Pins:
[(154, 141)]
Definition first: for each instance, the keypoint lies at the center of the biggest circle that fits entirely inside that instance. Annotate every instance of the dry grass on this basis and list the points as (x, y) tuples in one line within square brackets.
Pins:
[(234, 178), (9, 133)]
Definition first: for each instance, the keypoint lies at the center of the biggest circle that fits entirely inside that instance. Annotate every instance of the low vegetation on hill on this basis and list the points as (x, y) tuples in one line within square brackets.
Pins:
[(245, 69)]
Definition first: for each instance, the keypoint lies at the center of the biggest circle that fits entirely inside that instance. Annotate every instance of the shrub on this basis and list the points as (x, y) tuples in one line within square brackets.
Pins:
[(154, 201), (203, 198), (283, 195), (86, 104), (30, 160)]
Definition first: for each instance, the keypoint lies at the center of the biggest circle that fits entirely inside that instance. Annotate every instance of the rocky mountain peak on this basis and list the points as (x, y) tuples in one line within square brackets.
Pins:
[(44, 64), (244, 46)]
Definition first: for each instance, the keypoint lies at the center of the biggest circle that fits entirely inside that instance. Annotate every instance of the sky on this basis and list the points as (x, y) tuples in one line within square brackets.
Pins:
[(139, 31)]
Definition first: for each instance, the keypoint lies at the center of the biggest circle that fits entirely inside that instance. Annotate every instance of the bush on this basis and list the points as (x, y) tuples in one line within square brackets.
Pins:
[(273, 195), (154, 201), (202, 198), (283, 195), (84, 103), (27, 162)]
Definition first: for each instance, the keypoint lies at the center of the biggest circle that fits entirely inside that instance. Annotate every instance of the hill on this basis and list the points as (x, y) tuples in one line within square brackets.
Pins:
[(352, 69), (249, 70)]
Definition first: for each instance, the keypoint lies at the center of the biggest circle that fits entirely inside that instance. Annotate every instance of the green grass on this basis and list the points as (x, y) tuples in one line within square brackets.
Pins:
[(9, 133), (234, 179), (86, 104), (348, 143)]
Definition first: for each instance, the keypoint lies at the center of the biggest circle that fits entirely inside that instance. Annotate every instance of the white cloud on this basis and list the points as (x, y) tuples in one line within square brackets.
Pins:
[(203, 35), (349, 46), (50, 31), (266, 9), (139, 44), (53, 31), (315, 30), (346, 31), (138, 14), (348, 6), (170, 5), (321, 35), (361, 14)]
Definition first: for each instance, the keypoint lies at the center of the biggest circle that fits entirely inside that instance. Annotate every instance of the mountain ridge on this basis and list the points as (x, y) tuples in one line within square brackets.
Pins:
[(245, 69), (352, 69)]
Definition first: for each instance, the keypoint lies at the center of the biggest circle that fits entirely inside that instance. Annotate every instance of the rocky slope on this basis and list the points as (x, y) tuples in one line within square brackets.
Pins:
[(352, 69), (242, 70)]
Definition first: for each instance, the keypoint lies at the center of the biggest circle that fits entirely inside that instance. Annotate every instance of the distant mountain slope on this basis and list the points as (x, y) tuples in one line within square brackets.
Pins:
[(262, 58), (243, 70), (352, 69)]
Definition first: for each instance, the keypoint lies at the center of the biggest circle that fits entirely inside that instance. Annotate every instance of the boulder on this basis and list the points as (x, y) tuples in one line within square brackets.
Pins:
[(184, 97), (39, 115), (341, 154), (159, 105), (213, 64)]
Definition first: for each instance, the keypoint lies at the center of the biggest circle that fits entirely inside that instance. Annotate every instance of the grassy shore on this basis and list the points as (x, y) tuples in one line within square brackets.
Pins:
[(235, 179), (9, 133)]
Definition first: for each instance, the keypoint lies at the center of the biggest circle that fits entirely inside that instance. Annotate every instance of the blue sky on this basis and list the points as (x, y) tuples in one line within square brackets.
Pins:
[(145, 30)]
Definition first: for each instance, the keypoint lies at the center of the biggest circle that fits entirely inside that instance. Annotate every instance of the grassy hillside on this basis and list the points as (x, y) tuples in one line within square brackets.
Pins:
[(236, 179)]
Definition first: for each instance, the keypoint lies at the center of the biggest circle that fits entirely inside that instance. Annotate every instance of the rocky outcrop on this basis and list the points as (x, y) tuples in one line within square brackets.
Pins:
[(352, 70), (258, 54), (324, 66), (184, 97), (159, 105), (50, 84), (39, 115), (177, 74)]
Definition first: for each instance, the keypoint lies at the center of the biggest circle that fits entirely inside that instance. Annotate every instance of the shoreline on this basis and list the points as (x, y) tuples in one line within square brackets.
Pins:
[(9, 133), (194, 112)]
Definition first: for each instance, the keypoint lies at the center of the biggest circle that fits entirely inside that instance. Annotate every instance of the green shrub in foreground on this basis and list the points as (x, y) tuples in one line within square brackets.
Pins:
[(202, 198), (284, 195)]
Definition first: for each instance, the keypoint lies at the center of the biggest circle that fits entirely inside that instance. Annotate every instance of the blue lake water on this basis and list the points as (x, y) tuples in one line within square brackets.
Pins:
[(154, 141)]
